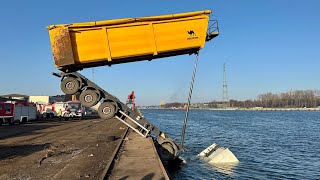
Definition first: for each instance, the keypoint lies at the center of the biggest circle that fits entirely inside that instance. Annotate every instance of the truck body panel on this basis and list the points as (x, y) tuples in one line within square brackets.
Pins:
[(82, 45), (24, 113)]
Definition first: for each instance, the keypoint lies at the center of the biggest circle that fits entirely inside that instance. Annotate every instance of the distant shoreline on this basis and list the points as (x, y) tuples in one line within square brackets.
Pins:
[(270, 109), (244, 109)]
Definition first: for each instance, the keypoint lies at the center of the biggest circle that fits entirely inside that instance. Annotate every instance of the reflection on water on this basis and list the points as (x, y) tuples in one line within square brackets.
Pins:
[(268, 144), (226, 168)]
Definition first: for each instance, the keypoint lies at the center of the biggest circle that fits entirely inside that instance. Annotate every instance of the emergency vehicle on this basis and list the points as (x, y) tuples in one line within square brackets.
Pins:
[(69, 108), (17, 112), (45, 110)]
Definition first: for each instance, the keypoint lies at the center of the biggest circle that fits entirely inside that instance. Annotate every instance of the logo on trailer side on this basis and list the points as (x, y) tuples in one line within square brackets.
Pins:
[(192, 35)]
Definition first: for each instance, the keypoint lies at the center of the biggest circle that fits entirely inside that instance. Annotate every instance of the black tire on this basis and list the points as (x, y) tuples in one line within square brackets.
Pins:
[(48, 115), (88, 98), (51, 115), (106, 110), (168, 150), (11, 123), (24, 120), (70, 85)]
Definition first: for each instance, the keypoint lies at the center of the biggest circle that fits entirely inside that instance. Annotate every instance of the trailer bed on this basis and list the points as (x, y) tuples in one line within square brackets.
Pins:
[(90, 44)]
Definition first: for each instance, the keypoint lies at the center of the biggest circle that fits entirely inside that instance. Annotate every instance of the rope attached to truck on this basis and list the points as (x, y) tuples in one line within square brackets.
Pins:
[(189, 99)]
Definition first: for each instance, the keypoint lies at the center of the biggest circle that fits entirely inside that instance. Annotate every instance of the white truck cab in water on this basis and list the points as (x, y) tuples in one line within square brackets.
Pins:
[(215, 154)]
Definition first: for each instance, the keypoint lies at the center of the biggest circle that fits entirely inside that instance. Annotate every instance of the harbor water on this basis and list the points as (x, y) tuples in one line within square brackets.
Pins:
[(268, 144)]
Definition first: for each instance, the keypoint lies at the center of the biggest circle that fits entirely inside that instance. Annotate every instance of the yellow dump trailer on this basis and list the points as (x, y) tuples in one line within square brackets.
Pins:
[(81, 45)]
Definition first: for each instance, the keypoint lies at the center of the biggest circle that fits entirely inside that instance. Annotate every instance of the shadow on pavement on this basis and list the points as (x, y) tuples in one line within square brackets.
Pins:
[(31, 128), (22, 130), (9, 152)]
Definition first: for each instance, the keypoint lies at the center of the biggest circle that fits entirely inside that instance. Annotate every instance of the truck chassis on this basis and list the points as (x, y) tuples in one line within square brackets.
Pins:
[(108, 106)]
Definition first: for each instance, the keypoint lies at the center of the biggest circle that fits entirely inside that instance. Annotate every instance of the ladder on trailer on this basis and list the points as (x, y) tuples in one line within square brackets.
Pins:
[(143, 131)]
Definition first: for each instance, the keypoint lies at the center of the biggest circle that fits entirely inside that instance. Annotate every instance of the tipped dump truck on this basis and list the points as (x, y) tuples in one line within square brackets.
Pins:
[(90, 44), (83, 45)]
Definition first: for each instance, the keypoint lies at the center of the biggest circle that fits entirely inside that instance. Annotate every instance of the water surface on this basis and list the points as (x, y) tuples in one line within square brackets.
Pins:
[(268, 144)]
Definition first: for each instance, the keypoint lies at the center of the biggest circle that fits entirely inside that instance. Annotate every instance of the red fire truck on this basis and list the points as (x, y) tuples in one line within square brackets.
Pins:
[(46, 110), (69, 109), (12, 112)]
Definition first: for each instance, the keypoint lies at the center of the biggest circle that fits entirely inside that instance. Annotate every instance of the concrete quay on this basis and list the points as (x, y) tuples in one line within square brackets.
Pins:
[(138, 159)]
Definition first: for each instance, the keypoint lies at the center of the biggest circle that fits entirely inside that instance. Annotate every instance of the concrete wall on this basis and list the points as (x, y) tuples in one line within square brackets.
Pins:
[(58, 98), (35, 99)]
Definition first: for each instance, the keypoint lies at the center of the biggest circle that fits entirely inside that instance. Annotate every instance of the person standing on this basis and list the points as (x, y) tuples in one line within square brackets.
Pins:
[(59, 114)]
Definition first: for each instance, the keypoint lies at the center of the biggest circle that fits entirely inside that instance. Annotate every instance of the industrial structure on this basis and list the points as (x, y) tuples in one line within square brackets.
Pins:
[(225, 97)]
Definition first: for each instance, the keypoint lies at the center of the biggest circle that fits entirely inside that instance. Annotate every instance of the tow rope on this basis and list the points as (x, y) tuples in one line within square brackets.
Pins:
[(188, 105)]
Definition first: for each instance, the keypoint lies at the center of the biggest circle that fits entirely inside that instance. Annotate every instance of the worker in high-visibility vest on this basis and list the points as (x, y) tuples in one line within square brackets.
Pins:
[(59, 114)]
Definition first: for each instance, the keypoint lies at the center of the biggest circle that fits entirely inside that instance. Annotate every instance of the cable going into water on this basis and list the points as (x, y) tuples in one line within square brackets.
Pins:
[(189, 99)]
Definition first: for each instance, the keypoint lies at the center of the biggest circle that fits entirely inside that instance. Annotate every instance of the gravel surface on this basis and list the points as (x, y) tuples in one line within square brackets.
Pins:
[(48, 149)]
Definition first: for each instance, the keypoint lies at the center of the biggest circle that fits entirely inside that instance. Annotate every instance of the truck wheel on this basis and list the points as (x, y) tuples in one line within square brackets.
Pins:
[(51, 115), (88, 98), (106, 110), (24, 120), (70, 85), (168, 150), (11, 123)]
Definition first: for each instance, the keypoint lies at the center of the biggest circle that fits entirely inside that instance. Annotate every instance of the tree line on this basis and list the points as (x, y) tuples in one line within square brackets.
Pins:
[(290, 99)]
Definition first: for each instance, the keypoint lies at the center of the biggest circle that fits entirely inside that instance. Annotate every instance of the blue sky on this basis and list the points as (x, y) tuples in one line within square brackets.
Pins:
[(268, 46)]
